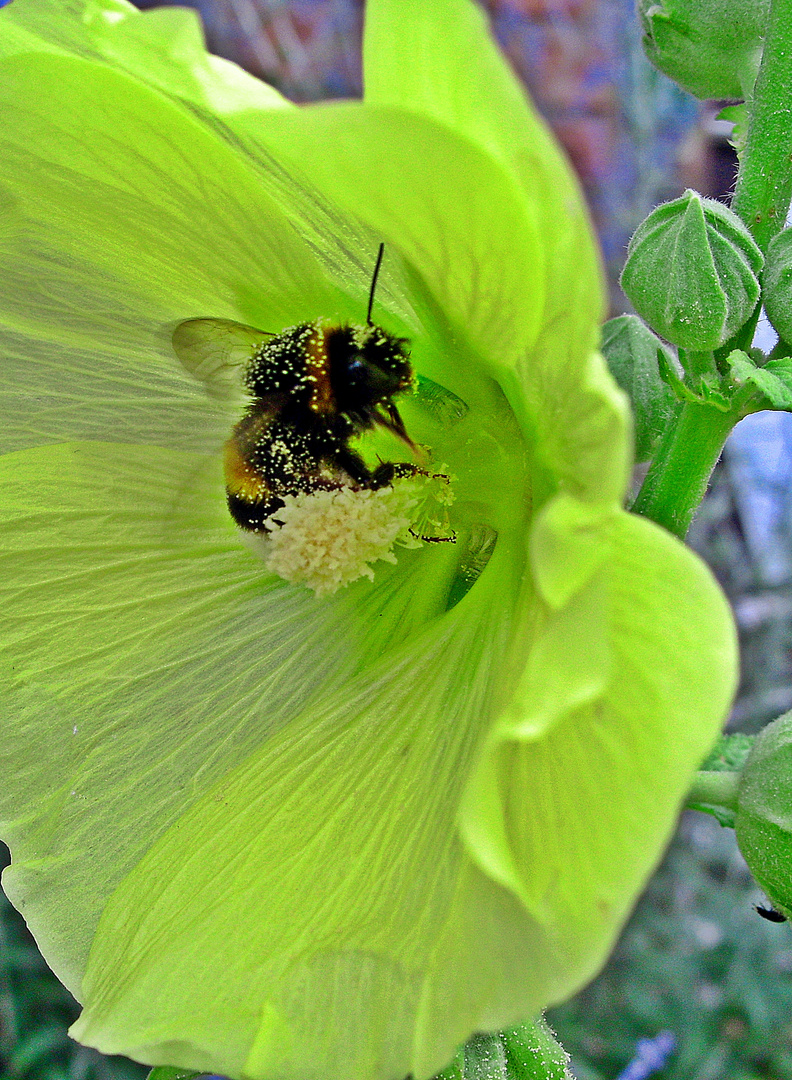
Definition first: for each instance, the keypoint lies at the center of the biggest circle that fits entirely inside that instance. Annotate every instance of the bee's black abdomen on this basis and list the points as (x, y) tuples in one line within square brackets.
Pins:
[(252, 516)]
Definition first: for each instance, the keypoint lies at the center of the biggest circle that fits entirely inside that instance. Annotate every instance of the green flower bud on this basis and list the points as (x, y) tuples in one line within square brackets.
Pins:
[(631, 349), (710, 47), (692, 272), (777, 284), (526, 1052), (764, 812)]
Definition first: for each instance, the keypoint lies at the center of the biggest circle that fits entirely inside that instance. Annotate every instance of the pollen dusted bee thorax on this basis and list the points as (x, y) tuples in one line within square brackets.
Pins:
[(293, 362), (332, 369)]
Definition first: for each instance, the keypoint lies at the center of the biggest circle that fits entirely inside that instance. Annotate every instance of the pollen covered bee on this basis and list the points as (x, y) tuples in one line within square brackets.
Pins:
[(311, 389)]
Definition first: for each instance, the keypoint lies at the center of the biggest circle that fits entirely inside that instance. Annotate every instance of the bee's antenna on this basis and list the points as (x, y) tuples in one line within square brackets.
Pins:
[(377, 265)]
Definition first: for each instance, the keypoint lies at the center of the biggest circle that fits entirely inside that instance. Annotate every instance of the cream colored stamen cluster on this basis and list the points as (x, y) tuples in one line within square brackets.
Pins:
[(327, 539)]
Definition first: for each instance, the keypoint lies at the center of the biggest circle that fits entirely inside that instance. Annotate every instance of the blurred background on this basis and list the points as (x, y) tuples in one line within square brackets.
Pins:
[(699, 986)]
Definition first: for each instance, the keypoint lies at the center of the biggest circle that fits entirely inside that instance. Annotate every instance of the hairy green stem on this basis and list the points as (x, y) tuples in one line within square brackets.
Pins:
[(715, 789), (764, 183), (682, 466)]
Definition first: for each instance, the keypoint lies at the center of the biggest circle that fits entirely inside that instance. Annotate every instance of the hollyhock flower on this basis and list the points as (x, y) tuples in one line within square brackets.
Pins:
[(257, 830)]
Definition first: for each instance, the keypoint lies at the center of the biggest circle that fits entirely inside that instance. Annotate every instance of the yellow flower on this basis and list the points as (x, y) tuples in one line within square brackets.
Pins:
[(255, 831)]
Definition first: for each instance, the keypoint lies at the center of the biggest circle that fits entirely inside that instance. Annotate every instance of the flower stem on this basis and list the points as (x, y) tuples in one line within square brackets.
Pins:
[(764, 183), (682, 466), (715, 789)]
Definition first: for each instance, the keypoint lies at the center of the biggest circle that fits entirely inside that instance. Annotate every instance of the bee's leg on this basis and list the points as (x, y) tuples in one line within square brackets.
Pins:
[(354, 465), (385, 473), (452, 539), (388, 471)]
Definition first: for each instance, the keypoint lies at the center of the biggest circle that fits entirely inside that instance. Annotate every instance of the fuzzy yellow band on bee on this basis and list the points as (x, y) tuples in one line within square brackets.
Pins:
[(317, 370), (241, 477)]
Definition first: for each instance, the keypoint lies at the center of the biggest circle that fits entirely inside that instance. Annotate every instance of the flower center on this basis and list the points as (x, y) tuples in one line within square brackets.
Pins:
[(325, 539)]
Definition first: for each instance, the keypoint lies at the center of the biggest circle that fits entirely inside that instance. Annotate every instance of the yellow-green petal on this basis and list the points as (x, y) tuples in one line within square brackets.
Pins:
[(463, 223), (625, 690), (120, 215), (222, 808), (417, 58), (163, 48), (234, 774)]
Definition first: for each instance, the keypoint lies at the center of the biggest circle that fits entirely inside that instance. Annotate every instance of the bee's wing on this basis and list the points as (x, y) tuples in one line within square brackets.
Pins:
[(216, 351), (441, 404)]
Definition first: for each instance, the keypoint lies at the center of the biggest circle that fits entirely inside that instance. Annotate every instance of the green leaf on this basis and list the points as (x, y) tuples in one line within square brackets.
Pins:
[(725, 818), (774, 380), (631, 350), (729, 753), (781, 369)]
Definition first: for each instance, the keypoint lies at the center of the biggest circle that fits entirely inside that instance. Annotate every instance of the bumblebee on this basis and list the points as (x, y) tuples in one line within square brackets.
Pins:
[(310, 389)]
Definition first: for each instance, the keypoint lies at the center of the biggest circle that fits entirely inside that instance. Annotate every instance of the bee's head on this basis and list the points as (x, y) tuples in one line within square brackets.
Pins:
[(367, 367)]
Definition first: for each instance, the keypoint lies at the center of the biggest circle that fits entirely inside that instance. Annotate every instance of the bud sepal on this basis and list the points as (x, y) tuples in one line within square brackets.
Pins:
[(764, 812), (777, 284), (527, 1052), (737, 116), (694, 377), (632, 352)]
